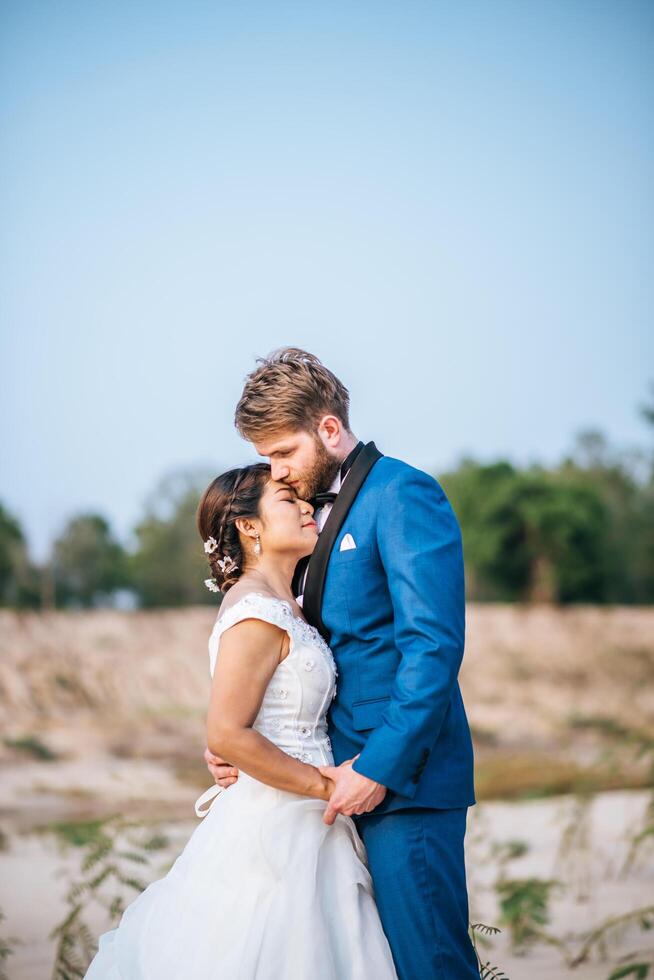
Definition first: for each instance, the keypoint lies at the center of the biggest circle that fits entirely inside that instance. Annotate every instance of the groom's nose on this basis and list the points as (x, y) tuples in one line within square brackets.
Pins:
[(279, 470)]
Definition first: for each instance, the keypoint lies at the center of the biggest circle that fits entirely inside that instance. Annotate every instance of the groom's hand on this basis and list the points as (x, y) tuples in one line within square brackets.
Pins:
[(223, 773), (353, 793)]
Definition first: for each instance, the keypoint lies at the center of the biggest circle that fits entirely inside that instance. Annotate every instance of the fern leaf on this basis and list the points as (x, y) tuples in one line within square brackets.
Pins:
[(489, 972)]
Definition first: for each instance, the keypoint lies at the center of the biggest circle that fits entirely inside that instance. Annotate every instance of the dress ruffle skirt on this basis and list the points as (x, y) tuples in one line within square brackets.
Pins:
[(263, 890)]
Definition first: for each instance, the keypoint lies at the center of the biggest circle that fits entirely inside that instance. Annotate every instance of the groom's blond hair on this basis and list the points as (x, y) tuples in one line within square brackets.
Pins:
[(291, 390)]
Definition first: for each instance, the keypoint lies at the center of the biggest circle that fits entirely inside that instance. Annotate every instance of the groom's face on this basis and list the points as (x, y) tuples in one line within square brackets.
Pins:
[(301, 460)]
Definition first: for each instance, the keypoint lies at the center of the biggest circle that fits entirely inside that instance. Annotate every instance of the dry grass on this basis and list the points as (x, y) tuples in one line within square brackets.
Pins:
[(553, 696)]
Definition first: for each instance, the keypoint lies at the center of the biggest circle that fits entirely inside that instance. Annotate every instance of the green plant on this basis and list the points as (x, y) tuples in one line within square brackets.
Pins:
[(524, 908), (479, 932), (6, 950), (597, 938), (32, 745), (645, 834), (112, 848), (577, 837), (78, 833), (637, 970)]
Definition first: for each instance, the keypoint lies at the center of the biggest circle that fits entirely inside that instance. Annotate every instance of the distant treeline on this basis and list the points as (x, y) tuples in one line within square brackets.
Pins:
[(581, 531)]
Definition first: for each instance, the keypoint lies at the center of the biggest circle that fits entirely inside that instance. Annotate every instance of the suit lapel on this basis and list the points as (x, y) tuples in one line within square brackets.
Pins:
[(298, 575), (319, 560)]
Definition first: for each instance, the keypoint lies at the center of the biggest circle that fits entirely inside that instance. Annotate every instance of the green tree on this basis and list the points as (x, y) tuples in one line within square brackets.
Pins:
[(528, 534), (19, 579), (497, 563), (88, 563), (168, 563), (565, 525), (625, 484)]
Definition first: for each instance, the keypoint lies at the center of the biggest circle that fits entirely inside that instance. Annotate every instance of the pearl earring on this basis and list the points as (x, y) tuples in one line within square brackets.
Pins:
[(257, 546)]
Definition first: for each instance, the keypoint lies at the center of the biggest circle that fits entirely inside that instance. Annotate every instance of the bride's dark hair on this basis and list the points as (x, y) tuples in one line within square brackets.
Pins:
[(236, 493)]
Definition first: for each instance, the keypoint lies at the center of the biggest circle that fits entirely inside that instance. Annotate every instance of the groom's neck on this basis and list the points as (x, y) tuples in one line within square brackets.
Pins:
[(346, 446)]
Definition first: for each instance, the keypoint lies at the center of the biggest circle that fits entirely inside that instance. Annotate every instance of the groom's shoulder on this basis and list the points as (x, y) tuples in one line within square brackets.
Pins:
[(391, 475), (397, 481), (392, 472)]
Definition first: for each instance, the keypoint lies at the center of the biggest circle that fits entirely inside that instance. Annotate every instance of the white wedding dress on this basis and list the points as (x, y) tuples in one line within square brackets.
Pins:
[(264, 889)]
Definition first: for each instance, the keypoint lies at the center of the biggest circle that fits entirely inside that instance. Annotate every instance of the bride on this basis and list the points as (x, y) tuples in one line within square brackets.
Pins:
[(264, 888)]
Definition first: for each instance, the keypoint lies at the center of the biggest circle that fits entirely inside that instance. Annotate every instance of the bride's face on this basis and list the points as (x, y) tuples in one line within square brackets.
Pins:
[(287, 523)]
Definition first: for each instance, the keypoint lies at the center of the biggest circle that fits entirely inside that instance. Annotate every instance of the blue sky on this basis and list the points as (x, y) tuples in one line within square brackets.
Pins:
[(450, 203)]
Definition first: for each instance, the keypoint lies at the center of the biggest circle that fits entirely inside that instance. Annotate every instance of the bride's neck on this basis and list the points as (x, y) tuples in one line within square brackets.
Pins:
[(276, 573)]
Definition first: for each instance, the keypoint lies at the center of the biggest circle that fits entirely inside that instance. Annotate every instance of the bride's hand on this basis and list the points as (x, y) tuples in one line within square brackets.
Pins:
[(222, 771), (328, 786)]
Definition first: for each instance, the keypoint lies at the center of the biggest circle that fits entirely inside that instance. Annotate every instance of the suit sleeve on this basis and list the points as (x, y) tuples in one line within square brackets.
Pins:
[(419, 541)]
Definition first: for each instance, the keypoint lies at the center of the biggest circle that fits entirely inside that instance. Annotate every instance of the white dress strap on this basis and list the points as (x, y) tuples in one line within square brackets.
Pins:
[(209, 794)]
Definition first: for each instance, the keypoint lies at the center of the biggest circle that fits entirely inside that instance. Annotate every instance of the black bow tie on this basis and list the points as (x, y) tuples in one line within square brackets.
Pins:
[(321, 499)]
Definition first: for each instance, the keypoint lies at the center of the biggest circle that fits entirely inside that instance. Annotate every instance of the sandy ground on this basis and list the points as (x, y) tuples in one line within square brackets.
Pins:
[(593, 885), (558, 700), (35, 869)]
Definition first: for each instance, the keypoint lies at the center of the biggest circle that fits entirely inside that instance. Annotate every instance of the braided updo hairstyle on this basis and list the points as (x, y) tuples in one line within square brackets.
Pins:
[(231, 495)]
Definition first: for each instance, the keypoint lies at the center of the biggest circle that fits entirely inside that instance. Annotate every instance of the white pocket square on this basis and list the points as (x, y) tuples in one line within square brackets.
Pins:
[(347, 543)]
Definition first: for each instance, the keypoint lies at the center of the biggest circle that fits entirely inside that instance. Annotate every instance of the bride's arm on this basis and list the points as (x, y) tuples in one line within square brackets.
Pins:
[(250, 652)]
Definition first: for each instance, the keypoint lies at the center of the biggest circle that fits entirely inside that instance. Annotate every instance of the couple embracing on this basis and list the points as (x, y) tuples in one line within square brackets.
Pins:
[(332, 844)]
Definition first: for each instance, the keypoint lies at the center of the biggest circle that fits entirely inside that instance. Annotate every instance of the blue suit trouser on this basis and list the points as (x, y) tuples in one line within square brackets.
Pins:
[(417, 863)]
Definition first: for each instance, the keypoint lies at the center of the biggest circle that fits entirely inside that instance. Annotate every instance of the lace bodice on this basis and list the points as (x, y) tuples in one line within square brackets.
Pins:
[(293, 712)]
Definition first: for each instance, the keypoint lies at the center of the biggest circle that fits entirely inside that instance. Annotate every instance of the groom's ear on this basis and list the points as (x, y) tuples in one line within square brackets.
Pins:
[(330, 429)]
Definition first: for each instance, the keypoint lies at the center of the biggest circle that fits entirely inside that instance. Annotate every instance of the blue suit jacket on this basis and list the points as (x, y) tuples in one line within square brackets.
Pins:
[(395, 610)]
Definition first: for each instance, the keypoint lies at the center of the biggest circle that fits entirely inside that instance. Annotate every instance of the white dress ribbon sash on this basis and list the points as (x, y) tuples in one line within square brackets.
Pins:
[(209, 794)]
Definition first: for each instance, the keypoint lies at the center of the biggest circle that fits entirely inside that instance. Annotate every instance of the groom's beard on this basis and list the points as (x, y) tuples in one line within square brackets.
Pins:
[(321, 474)]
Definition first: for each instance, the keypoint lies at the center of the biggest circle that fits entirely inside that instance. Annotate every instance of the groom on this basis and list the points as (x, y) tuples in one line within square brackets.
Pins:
[(385, 587)]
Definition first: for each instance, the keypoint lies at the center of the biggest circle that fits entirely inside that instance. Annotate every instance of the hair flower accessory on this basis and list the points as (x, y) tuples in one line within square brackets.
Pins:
[(227, 565), (212, 585), (210, 546)]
